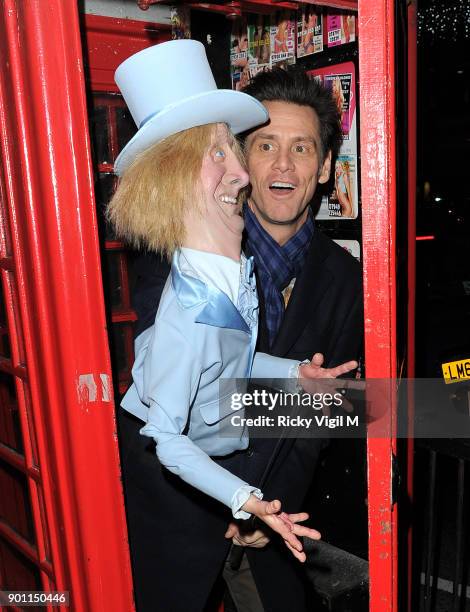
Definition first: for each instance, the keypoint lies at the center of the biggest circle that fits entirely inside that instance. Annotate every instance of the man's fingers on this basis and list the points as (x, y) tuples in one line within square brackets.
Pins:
[(290, 537), (285, 518), (317, 360), (307, 532), (299, 517), (273, 507), (301, 556), (232, 530), (259, 542), (343, 368)]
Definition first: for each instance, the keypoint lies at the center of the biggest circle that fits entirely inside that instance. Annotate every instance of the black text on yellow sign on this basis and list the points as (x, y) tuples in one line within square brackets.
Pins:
[(454, 371)]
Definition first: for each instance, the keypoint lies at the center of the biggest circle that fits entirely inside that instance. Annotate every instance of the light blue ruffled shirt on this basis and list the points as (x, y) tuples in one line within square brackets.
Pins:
[(199, 337)]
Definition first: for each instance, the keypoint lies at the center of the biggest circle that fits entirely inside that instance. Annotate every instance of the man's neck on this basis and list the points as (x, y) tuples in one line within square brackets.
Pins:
[(279, 232)]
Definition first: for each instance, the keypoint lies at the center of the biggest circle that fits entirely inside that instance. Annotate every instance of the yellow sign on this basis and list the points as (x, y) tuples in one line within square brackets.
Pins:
[(454, 371)]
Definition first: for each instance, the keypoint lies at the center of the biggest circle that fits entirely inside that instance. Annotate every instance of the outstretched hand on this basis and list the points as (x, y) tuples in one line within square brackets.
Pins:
[(286, 525), (310, 373), (314, 369)]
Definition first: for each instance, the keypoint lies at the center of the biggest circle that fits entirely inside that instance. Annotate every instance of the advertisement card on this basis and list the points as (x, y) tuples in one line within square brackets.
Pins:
[(259, 39), (309, 31), (239, 53), (283, 33), (342, 203), (340, 79), (341, 29)]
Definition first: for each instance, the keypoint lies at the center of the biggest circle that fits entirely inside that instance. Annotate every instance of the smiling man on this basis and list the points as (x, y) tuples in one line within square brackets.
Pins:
[(286, 161), (310, 294)]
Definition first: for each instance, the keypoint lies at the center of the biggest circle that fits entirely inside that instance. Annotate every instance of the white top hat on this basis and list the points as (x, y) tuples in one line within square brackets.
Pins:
[(169, 88)]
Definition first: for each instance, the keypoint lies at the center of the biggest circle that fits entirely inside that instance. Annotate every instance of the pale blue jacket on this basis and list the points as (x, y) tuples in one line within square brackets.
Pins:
[(199, 337)]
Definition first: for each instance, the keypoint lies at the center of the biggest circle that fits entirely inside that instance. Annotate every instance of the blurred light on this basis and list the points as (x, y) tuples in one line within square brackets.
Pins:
[(425, 237), (437, 199), (448, 20)]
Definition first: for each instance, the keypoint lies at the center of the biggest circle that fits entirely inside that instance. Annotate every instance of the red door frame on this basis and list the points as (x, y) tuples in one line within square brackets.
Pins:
[(378, 174), (46, 164)]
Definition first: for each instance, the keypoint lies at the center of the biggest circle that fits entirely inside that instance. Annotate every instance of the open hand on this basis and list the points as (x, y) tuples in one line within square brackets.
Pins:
[(312, 379), (314, 369), (286, 525)]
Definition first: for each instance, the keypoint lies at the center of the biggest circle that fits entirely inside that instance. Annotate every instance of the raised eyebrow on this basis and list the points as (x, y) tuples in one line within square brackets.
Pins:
[(305, 139), (295, 139)]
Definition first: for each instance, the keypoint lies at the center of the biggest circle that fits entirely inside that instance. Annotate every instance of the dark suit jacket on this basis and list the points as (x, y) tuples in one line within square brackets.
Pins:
[(324, 315)]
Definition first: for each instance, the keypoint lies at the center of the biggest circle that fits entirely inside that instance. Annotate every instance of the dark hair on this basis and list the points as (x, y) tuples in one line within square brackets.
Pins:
[(292, 85)]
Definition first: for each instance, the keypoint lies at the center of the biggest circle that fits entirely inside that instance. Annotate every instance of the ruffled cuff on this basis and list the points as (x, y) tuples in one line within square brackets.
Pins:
[(294, 369), (240, 496)]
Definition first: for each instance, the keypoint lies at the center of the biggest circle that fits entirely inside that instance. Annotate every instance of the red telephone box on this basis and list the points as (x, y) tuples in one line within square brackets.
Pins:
[(62, 522)]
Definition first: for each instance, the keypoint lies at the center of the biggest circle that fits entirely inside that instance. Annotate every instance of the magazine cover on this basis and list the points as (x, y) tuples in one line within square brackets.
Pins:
[(351, 246), (341, 29), (180, 22), (343, 201), (283, 38), (259, 42), (341, 80), (309, 31), (239, 53), (341, 85)]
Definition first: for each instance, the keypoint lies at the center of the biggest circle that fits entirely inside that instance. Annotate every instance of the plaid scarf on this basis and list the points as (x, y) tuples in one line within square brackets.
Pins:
[(276, 265)]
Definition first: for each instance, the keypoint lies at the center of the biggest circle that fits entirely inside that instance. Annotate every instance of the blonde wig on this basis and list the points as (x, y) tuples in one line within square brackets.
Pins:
[(154, 193)]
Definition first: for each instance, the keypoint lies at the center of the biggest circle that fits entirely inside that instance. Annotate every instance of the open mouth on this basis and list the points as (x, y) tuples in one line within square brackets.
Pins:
[(281, 187)]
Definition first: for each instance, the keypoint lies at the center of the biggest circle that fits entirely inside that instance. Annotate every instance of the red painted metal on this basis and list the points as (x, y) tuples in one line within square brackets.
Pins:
[(378, 173), (46, 166), (123, 37), (250, 6), (348, 5), (228, 8)]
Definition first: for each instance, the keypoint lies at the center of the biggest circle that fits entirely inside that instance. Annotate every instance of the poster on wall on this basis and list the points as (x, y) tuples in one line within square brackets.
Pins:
[(341, 29), (282, 35), (309, 31), (351, 246), (239, 53), (340, 79), (180, 22)]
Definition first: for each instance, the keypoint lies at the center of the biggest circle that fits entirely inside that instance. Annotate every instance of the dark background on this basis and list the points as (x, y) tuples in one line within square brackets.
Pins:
[(443, 204)]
